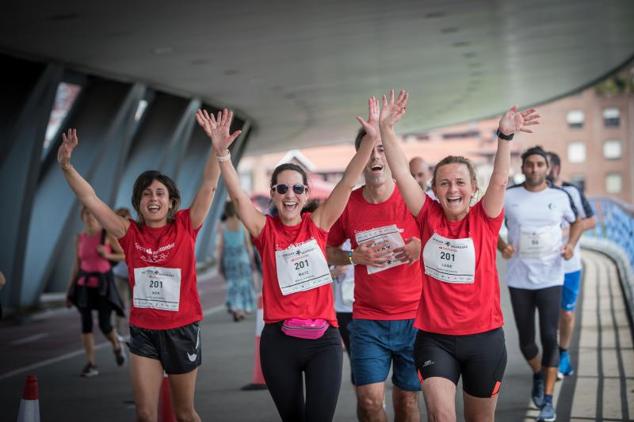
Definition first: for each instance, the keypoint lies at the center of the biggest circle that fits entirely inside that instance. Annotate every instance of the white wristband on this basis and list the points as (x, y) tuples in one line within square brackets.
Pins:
[(225, 157)]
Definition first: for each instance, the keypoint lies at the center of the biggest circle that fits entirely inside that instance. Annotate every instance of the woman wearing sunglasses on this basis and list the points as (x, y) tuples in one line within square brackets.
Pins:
[(300, 333)]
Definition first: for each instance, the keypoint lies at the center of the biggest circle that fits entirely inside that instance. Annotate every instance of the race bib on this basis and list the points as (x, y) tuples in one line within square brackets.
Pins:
[(157, 288), (450, 260), (540, 242), (387, 238), (301, 267)]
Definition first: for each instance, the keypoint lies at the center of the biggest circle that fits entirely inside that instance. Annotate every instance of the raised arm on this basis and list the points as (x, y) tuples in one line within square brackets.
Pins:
[(85, 193), (511, 123), (328, 212), (391, 112), (199, 208), (217, 128)]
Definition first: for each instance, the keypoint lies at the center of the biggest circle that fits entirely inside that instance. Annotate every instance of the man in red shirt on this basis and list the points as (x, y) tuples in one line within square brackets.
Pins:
[(385, 251)]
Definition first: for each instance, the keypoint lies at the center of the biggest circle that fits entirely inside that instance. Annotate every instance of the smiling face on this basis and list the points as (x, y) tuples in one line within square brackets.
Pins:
[(155, 204), (535, 169), (454, 187), (289, 204), (377, 172)]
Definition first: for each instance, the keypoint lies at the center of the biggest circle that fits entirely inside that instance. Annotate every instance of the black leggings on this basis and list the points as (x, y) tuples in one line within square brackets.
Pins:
[(104, 311), (548, 302), (285, 358)]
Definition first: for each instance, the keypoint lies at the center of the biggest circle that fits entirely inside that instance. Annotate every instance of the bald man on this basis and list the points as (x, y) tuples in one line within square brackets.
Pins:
[(422, 172)]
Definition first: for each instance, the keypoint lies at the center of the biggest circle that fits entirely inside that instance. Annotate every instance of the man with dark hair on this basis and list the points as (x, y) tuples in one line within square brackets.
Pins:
[(536, 249), (385, 241), (572, 267)]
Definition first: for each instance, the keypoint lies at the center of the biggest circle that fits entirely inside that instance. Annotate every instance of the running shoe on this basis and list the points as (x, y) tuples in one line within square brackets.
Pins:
[(547, 414), (89, 370), (119, 356), (565, 367), (537, 393)]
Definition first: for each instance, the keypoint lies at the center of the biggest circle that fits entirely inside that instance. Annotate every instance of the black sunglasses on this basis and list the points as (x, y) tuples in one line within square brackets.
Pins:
[(282, 188)]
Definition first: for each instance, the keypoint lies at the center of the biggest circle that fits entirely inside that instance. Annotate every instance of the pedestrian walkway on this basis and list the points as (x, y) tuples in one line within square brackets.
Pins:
[(602, 388)]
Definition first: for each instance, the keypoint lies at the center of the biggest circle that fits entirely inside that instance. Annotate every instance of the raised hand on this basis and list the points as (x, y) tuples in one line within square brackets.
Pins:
[(65, 150), (393, 110), (217, 128), (371, 126), (514, 121)]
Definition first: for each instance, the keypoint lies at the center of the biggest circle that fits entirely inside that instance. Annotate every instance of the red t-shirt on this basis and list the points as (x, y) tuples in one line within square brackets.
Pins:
[(461, 309), (391, 294), (162, 257), (310, 304)]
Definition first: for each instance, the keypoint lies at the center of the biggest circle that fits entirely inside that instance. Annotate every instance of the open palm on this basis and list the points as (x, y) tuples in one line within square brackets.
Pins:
[(393, 110), (218, 128), (65, 150), (514, 121)]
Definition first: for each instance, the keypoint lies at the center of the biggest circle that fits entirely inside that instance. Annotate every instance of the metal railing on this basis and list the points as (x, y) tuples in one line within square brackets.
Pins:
[(614, 236)]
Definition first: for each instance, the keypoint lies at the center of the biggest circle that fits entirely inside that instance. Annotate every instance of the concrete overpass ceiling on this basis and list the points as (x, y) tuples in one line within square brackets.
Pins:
[(302, 70)]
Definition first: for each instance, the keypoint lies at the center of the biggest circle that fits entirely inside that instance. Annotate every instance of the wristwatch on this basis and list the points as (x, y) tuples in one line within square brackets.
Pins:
[(349, 253), (503, 136)]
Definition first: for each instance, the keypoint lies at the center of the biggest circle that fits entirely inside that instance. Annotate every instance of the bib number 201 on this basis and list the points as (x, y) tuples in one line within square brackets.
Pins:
[(301, 265), (448, 256)]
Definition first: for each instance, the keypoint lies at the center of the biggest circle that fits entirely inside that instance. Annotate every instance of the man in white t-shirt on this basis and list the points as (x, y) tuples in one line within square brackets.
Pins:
[(535, 213), (572, 267)]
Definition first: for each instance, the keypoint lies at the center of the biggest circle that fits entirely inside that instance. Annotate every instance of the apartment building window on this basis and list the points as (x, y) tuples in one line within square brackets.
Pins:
[(611, 117), (575, 119), (577, 152), (613, 149), (613, 183)]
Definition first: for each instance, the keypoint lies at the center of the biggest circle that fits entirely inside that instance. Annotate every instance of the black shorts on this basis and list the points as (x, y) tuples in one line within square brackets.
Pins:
[(479, 358), (178, 349)]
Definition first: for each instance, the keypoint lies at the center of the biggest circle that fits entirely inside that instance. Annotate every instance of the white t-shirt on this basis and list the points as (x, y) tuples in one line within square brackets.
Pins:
[(583, 210), (343, 286), (534, 221)]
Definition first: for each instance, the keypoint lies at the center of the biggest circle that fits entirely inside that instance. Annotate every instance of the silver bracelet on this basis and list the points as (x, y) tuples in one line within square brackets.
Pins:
[(223, 158)]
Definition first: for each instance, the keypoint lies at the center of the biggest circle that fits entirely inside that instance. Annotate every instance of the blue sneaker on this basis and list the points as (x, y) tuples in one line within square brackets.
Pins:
[(537, 393), (547, 414), (565, 367)]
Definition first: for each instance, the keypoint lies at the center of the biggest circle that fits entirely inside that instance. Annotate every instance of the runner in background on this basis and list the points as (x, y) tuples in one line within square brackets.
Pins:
[(572, 267), (535, 214), (343, 288), (422, 172), (300, 338), (92, 288), (121, 280)]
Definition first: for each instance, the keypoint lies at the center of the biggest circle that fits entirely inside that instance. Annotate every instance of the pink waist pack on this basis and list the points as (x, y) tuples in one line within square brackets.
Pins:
[(310, 329)]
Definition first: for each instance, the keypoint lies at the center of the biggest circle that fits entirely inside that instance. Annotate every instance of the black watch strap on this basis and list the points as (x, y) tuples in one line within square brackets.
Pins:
[(503, 136)]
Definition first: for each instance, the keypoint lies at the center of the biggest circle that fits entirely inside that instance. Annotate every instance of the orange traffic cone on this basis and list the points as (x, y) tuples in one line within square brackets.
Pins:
[(30, 403), (257, 379), (166, 409)]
